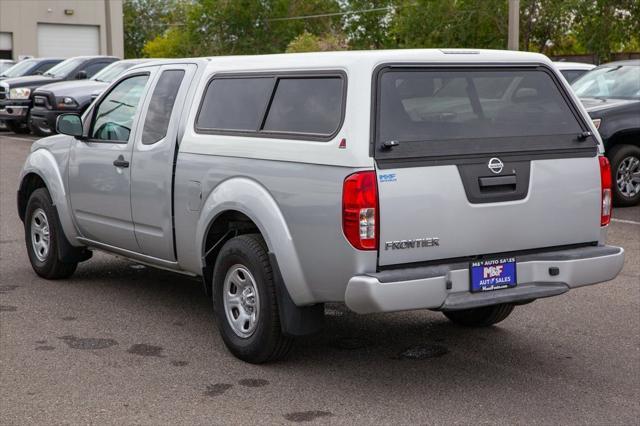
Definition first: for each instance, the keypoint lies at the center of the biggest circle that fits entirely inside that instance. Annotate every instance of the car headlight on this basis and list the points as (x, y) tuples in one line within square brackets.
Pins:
[(597, 122), (66, 102), (19, 93)]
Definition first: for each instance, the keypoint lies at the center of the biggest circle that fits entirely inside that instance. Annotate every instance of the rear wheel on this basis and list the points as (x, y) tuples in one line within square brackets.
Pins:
[(625, 168), (245, 302), (42, 230), (480, 317)]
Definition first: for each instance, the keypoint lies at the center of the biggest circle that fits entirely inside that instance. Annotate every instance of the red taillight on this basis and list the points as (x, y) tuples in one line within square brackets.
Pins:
[(360, 210), (605, 189)]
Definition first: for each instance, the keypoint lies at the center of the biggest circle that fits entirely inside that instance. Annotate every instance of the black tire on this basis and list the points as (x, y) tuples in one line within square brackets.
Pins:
[(38, 131), (480, 317), (266, 343), (47, 265), (617, 155), (17, 127)]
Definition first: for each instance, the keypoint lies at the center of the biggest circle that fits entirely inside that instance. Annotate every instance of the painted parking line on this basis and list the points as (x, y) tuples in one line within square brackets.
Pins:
[(631, 222)]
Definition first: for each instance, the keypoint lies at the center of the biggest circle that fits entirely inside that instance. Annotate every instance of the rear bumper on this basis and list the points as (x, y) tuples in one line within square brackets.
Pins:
[(427, 287)]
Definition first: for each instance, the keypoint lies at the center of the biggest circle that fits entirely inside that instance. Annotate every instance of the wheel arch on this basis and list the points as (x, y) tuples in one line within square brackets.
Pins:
[(624, 137), (41, 170), (242, 205)]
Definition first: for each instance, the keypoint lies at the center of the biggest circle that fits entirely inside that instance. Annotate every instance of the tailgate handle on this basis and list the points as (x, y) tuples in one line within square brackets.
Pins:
[(498, 183)]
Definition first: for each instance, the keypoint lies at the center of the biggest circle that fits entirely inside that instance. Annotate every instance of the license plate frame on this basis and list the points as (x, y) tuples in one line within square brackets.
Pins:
[(493, 274)]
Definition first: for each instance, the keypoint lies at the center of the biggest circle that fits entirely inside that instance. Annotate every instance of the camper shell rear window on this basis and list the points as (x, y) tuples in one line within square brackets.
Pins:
[(444, 112)]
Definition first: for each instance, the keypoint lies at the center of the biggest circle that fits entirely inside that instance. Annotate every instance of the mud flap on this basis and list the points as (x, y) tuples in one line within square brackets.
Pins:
[(296, 321), (66, 252)]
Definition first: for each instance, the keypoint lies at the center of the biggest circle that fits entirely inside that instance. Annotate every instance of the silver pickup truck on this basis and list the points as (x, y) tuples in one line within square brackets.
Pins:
[(467, 182)]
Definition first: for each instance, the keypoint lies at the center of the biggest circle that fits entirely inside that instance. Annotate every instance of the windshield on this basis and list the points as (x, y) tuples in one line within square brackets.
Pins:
[(621, 82), (111, 72), (5, 66), (18, 69), (64, 68)]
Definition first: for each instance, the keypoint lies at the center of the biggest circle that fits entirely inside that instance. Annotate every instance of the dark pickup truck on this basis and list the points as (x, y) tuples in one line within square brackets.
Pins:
[(51, 100), (611, 95), (16, 94)]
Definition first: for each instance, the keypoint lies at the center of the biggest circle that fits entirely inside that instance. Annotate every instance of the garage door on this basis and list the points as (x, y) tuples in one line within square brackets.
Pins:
[(68, 40)]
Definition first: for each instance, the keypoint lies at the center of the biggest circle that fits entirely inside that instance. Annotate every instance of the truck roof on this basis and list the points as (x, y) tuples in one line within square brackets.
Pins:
[(370, 58)]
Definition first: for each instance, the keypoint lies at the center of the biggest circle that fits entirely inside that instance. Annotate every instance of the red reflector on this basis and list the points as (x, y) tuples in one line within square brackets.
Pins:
[(360, 210), (605, 189)]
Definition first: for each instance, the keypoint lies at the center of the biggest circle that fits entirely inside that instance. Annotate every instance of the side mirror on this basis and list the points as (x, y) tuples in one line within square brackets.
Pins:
[(69, 124), (81, 75)]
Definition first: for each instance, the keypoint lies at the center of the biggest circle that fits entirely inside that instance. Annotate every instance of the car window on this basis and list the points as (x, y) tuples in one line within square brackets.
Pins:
[(5, 66), (572, 75), (111, 72), (235, 103), (160, 107), (63, 69), (92, 69), (621, 82), (19, 69), (444, 105), (43, 67), (115, 114), (306, 105)]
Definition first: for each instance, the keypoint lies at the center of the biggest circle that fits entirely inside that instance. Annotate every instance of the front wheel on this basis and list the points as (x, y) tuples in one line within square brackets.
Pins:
[(17, 127), (625, 168), (42, 229), (480, 317), (245, 302)]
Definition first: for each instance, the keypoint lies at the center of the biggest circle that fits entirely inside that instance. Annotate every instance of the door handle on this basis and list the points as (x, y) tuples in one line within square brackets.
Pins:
[(121, 162), (486, 182)]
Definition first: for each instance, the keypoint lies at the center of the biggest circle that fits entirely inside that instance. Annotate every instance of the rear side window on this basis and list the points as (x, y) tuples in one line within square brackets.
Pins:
[(235, 103), (92, 69), (292, 106), (467, 111), (161, 104), (305, 105)]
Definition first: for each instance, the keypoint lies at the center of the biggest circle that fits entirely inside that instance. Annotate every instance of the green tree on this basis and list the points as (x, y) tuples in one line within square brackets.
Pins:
[(144, 20), (606, 26), (367, 22), (237, 27), (451, 23), (545, 25), (307, 42)]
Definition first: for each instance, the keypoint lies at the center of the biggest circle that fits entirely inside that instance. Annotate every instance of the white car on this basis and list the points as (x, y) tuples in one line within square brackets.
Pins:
[(573, 70)]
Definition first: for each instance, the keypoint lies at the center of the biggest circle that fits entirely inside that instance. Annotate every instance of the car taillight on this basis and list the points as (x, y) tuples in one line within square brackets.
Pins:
[(360, 210), (605, 187)]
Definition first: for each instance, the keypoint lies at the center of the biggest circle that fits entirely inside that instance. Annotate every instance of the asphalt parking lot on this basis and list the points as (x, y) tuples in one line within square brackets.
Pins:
[(120, 343)]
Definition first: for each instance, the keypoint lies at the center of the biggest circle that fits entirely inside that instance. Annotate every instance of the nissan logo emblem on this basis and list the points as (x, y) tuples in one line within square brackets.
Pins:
[(495, 165)]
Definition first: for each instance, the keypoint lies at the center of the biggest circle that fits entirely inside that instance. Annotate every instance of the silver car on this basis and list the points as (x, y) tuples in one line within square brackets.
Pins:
[(466, 182)]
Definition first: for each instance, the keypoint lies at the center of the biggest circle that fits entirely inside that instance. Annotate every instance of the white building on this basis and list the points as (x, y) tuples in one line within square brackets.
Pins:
[(60, 28)]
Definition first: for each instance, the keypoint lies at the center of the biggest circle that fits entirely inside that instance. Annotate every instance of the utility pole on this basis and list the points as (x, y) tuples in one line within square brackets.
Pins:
[(514, 24)]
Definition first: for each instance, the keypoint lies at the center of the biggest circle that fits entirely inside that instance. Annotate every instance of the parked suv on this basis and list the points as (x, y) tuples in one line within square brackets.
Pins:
[(611, 94), (16, 94), (456, 181), (51, 100)]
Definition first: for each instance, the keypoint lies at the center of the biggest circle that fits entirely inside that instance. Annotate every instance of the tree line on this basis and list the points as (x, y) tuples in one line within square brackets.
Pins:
[(186, 28)]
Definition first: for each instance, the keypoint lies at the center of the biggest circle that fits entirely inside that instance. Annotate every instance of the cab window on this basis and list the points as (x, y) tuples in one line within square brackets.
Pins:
[(114, 116)]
